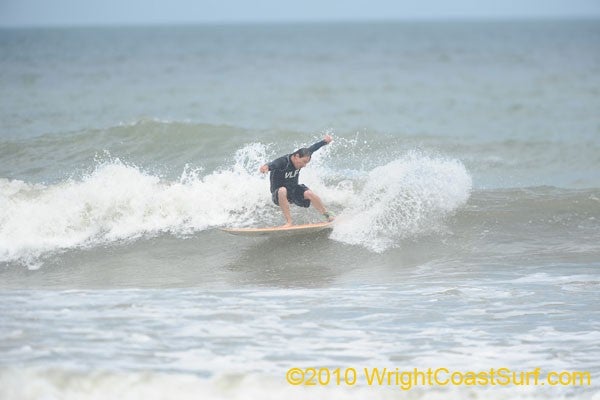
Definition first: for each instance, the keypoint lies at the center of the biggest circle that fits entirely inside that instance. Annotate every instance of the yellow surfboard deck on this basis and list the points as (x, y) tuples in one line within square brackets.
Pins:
[(280, 230)]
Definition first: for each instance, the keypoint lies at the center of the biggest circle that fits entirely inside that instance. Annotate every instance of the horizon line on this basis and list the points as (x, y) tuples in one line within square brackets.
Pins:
[(456, 19)]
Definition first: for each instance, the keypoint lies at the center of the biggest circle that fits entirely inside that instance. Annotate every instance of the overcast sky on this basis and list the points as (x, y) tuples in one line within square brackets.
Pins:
[(119, 12)]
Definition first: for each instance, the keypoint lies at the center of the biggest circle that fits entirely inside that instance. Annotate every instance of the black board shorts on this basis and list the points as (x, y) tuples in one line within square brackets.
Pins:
[(295, 195)]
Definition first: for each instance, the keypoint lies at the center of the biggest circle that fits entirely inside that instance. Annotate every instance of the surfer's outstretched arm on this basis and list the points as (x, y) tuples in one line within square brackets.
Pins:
[(326, 140)]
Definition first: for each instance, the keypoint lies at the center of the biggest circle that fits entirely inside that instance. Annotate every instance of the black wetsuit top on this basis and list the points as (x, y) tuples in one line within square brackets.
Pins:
[(283, 172)]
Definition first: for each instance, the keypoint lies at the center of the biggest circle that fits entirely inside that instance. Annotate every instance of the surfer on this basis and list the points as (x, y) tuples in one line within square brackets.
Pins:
[(284, 181)]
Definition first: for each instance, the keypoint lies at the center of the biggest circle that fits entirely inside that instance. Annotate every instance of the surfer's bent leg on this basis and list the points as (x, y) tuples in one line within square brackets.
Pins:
[(284, 204), (316, 201)]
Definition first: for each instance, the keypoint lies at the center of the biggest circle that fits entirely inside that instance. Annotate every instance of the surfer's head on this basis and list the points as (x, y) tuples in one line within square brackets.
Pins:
[(301, 157)]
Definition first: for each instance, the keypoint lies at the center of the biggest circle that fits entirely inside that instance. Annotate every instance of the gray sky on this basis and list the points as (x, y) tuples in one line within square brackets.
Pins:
[(109, 12)]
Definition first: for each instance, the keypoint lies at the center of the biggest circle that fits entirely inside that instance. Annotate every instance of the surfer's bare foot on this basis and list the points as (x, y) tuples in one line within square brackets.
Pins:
[(328, 216), (286, 225)]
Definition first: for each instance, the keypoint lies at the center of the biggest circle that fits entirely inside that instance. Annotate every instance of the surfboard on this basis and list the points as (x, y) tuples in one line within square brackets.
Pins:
[(280, 230)]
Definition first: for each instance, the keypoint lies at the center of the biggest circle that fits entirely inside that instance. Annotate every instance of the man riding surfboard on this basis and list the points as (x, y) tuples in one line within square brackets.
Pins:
[(284, 176)]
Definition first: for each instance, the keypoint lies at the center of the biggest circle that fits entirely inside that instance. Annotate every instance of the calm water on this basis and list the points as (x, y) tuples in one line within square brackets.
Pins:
[(464, 173)]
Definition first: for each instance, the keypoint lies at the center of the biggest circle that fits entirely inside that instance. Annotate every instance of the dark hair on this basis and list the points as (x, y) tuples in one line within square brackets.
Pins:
[(303, 152)]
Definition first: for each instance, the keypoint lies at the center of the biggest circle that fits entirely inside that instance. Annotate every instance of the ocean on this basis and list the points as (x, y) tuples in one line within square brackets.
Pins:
[(464, 173)]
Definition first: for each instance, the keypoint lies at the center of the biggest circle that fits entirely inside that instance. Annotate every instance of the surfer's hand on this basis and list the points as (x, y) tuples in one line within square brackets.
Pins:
[(264, 169), (327, 138)]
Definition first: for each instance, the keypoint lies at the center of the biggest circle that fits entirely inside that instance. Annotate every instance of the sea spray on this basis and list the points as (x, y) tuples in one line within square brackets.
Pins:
[(407, 197)]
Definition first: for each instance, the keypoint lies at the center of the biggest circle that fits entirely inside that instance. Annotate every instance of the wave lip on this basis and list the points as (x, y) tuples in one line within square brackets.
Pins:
[(408, 197)]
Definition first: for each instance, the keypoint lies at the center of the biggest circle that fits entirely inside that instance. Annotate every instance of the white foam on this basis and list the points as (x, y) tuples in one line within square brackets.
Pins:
[(58, 383), (407, 197), (120, 201)]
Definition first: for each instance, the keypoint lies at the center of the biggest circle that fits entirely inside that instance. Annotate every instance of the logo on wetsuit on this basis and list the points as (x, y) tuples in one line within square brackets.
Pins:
[(291, 174)]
